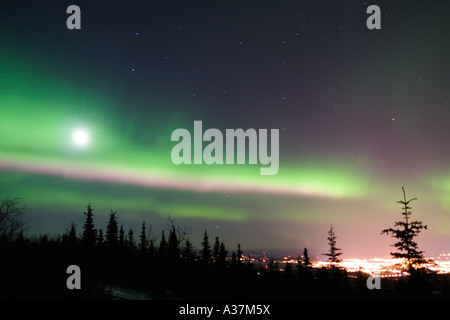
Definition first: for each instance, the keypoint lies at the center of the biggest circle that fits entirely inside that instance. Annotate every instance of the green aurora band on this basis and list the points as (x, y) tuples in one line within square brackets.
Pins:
[(38, 115)]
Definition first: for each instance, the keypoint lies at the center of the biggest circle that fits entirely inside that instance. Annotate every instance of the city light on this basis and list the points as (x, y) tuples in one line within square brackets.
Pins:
[(385, 267)]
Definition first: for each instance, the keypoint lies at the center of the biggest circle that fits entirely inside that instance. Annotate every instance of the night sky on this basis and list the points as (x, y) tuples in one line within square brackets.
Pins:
[(360, 112)]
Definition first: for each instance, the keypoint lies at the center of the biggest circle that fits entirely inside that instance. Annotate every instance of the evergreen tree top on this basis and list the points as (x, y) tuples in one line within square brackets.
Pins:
[(405, 232)]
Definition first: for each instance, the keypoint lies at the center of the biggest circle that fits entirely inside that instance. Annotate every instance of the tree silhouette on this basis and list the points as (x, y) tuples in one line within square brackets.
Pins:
[(112, 230), (162, 250), (41, 257), (206, 248), (239, 254), (305, 273), (173, 249), (407, 230), (188, 250), (178, 236), (11, 222), (131, 243), (306, 261), (333, 253), (121, 237), (89, 231), (223, 253), (143, 243), (71, 236), (216, 249)]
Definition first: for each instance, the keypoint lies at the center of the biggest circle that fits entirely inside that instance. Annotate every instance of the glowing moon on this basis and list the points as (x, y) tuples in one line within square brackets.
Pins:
[(80, 137)]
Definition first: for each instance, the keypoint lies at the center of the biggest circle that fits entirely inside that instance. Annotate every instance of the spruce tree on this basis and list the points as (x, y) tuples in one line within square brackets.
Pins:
[(112, 230), (216, 249), (89, 231), (304, 269), (143, 243), (306, 261), (122, 239), (70, 238), (187, 252), (206, 248), (131, 243), (72, 232), (239, 254), (406, 232), (334, 253), (173, 249), (223, 252), (162, 250)]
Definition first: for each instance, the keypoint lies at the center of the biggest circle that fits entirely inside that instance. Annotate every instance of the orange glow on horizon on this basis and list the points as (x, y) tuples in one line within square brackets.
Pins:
[(386, 267)]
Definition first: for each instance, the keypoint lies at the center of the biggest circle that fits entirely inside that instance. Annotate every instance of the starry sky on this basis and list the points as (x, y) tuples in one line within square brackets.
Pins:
[(360, 112)]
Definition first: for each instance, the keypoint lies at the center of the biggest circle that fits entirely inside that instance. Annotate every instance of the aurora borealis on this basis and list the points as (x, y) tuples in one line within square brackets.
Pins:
[(361, 113)]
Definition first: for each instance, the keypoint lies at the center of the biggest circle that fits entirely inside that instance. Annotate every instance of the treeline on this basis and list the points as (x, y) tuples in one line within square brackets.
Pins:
[(159, 267), (175, 246), (117, 263)]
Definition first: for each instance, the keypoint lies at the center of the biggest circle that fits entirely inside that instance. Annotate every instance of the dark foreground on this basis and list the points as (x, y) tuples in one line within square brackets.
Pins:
[(39, 271)]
